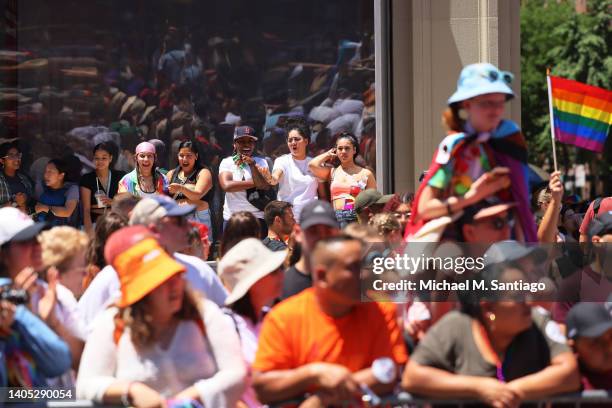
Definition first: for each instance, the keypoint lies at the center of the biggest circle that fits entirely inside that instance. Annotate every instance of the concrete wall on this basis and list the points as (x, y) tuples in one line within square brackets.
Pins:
[(429, 43)]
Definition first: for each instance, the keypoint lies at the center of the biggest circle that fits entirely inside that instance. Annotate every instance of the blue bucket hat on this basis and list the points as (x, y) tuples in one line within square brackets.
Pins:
[(482, 79)]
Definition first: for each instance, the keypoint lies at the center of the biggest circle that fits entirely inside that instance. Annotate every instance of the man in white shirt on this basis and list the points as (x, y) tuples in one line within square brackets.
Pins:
[(241, 172), (166, 221)]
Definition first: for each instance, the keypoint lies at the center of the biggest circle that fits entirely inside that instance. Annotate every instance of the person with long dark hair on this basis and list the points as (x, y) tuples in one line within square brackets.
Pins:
[(146, 179), (160, 342), (191, 183), (346, 180), (100, 186), (297, 185), (253, 275)]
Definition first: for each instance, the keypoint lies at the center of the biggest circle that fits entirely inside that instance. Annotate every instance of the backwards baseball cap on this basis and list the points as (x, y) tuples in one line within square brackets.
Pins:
[(588, 319), (318, 212), (601, 225), (16, 226), (510, 251), (152, 209), (369, 197), (244, 131)]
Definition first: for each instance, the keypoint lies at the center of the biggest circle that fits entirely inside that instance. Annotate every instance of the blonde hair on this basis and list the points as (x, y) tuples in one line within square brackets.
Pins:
[(60, 245)]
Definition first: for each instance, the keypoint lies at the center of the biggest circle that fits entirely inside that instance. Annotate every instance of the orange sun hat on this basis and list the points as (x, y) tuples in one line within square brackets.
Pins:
[(142, 268)]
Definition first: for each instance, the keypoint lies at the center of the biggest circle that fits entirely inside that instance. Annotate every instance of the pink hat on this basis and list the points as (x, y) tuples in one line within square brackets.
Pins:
[(145, 147)]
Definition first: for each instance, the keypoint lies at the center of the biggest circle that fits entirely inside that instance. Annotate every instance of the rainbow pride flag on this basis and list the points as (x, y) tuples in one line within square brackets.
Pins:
[(581, 113)]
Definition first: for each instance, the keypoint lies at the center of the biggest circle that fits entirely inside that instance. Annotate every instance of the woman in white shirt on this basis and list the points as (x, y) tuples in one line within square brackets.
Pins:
[(297, 184), (254, 277), (161, 345)]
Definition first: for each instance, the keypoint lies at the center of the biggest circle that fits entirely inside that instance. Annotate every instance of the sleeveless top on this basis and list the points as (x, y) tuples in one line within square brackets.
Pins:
[(191, 179), (347, 191)]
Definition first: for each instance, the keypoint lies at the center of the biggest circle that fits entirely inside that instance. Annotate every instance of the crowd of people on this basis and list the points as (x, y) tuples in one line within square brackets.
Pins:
[(109, 286)]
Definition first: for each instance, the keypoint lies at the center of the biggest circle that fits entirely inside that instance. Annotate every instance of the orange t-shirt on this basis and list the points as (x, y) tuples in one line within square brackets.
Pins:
[(296, 332)]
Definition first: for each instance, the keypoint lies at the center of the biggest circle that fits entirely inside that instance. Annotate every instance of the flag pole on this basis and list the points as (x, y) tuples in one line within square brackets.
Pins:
[(552, 122)]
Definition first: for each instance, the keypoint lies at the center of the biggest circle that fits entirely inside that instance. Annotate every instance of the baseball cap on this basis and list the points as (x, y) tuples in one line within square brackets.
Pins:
[(15, 226), (244, 131), (246, 263), (510, 251), (152, 209), (601, 225), (588, 319), (367, 198), (370, 197), (318, 212)]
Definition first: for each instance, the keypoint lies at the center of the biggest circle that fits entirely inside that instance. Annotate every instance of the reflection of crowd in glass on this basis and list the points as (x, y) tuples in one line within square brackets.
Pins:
[(130, 312)]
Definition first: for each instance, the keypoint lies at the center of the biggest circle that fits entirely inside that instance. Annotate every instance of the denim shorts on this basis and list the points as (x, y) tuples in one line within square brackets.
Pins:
[(204, 218), (345, 217)]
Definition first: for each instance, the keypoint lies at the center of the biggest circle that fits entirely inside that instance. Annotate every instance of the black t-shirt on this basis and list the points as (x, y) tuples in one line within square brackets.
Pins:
[(15, 185), (274, 244), (295, 281), (89, 181)]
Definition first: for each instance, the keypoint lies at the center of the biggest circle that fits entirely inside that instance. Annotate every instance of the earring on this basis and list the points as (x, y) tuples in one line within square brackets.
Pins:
[(492, 317), (462, 113)]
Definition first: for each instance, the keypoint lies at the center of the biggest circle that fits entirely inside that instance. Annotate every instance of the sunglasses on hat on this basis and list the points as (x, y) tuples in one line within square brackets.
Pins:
[(494, 75)]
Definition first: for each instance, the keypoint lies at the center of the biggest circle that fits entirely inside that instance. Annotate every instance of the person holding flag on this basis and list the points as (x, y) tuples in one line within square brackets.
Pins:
[(484, 155)]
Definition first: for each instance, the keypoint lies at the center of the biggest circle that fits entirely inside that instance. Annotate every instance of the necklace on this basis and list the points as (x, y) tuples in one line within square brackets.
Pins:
[(146, 186)]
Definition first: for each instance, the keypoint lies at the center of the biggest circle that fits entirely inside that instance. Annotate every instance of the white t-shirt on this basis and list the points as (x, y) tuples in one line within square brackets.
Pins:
[(298, 185), (237, 201)]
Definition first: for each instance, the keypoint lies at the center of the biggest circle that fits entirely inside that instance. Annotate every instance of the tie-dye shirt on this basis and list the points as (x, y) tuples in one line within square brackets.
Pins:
[(129, 184)]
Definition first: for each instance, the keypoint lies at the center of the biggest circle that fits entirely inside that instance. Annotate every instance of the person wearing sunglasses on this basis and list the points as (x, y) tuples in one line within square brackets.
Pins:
[(484, 155), (16, 188)]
